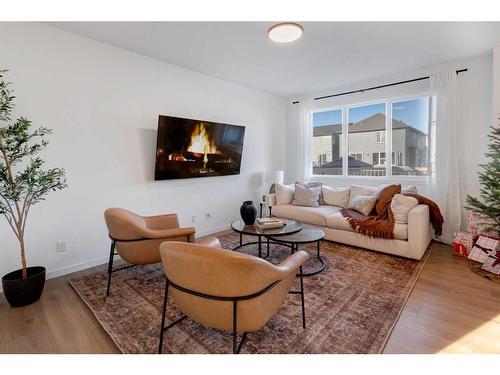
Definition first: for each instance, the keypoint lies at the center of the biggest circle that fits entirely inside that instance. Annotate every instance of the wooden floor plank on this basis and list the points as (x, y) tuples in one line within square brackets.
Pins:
[(450, 310)]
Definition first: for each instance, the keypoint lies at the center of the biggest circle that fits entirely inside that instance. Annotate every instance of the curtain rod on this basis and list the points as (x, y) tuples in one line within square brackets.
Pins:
[(377, 87)]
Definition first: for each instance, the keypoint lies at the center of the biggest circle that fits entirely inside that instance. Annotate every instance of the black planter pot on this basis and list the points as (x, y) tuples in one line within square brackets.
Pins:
[(248, 212), (21, 292)]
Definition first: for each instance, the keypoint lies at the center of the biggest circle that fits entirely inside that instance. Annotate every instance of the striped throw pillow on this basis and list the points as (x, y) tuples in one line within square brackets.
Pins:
[(306, 196)]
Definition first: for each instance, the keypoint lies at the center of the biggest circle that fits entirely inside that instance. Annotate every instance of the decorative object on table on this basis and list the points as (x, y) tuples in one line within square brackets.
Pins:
[(489, 205), (482, 248), (269, 223), (248, 212), (23, 183), (273, 177), (462, 243)]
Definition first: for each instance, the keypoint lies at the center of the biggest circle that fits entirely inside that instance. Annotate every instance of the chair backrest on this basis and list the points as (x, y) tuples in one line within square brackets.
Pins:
[(215, 271), (123, 224), (223, 273)]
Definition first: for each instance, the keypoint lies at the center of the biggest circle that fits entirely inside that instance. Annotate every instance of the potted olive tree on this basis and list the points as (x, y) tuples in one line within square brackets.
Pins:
[(23, 183)]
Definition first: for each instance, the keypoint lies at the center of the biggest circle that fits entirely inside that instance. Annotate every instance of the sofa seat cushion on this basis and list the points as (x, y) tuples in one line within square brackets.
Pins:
[(337, 221), (308, 215)]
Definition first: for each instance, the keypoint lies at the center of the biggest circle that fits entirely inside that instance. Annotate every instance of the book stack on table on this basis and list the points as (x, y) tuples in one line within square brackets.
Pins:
[(268, 223)]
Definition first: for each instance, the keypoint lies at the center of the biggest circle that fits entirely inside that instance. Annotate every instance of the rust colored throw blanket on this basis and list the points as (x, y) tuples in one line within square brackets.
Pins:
[(381, 222)]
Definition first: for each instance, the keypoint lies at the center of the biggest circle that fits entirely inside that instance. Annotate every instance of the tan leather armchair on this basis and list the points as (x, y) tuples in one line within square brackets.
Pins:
[(137, 238), (225, 289)]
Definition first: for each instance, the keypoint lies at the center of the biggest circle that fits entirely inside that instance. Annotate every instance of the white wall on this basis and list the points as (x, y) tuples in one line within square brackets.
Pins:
[(477, 97), (496, 85), (103, 104)]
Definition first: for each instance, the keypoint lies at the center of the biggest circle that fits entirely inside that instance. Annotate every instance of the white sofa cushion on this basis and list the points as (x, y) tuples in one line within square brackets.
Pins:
[(409, 189), (337, 221), (306, 195), (363, 204), (335, 196), (401, 205), (284, 193), (309, 215), (360, 190)]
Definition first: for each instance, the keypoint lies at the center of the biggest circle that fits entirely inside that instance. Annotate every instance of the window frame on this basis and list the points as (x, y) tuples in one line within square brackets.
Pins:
[(388, 101)]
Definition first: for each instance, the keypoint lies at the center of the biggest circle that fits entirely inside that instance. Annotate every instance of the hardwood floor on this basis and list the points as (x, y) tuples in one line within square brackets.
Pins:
[(450, 310)]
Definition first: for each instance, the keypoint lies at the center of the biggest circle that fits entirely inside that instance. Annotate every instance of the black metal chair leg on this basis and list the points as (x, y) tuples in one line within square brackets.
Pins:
[(302, 298), (267, 246), (164, 314), (110, 266), (235, 318), (260, 247)]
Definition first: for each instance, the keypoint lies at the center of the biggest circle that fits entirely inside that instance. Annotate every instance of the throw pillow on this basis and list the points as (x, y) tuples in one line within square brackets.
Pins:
[(284, 193), (335, 196), (312, 185), (360, 190), (401, 205), (385, 196), (409, 189), (363, 204), (306, 196)]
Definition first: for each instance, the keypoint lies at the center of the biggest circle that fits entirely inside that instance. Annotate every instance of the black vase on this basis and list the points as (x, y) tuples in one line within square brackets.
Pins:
[(248, 212), (21, 292)]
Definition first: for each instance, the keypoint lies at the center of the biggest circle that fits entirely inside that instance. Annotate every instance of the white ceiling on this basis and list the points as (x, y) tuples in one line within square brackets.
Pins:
[(329, 54)]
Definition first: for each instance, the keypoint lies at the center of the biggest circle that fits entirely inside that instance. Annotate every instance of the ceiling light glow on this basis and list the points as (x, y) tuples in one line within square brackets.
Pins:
[(285, 32)]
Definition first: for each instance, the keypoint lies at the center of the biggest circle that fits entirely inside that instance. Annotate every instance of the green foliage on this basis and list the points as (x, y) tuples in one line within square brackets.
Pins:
[(489, 204), (23, 181)]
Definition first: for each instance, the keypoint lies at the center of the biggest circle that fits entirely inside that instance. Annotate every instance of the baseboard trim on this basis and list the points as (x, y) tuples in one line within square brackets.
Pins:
[(98, 261), (52, 274), (208, 232)]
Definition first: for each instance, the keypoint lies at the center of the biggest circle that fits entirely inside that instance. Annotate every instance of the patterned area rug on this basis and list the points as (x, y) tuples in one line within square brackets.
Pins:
[(351, 307)]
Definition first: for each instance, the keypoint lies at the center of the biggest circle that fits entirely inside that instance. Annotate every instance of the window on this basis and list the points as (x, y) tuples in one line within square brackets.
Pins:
[(410, 128), (327, 142), (366, 123), (376, 146), (380, 136), (357, 156)]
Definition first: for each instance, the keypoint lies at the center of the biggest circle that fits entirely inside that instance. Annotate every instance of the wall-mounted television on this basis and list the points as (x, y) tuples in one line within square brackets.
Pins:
[(187, 148)]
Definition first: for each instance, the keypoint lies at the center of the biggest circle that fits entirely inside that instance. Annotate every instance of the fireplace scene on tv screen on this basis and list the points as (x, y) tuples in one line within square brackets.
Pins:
[(192, 148)]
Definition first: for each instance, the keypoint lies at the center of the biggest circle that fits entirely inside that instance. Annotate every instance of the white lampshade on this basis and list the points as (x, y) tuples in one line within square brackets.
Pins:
[(272, 177)]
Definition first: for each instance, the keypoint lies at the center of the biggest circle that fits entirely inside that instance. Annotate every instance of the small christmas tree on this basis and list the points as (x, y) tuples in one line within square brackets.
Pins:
[(490, 183)]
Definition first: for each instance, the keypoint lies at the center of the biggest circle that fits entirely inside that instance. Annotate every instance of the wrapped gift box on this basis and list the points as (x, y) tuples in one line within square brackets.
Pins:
[(478, 223), (482, 248), (492, 262), (462, 243)]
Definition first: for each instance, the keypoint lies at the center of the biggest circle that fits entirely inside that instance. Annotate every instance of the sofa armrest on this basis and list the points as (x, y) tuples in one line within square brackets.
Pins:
[(419, 231)]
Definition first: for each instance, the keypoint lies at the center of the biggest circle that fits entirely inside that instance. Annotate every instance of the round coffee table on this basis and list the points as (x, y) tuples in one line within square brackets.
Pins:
[(303, 237), (290, 227)]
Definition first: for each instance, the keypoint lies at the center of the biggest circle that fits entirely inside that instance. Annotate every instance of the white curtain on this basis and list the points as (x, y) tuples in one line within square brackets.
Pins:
[(444, 182), (304, 123)]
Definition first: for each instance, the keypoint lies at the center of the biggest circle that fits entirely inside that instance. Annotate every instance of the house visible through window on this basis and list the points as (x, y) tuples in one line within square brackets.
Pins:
[(366, 128), (380, 137)]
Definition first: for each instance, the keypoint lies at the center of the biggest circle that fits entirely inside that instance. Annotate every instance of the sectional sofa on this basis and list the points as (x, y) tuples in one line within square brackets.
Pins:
[(410, 240)]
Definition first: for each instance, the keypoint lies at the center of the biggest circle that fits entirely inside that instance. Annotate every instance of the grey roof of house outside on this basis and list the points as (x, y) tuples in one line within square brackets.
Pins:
[(372, 123)]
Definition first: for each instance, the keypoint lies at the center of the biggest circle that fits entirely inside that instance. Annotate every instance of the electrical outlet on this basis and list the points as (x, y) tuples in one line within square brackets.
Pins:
[(60, 246), (193, 219), (208, 216)]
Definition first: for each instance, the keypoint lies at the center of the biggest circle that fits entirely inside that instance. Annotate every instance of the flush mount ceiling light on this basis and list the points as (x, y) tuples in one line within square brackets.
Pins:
[(285, 32)]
